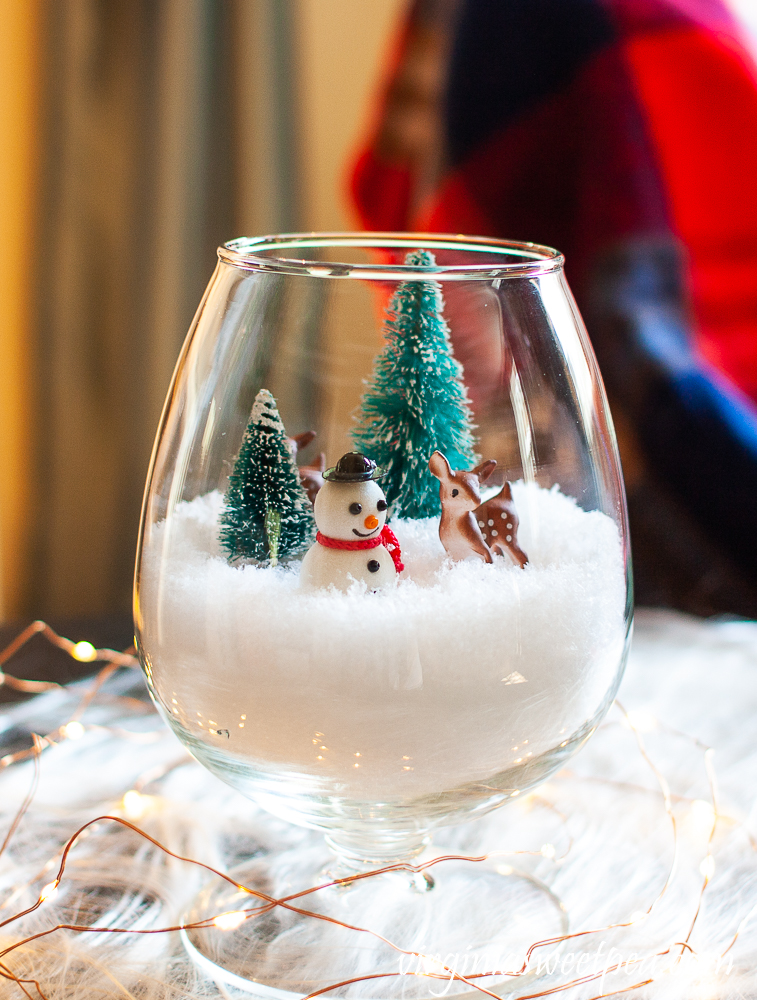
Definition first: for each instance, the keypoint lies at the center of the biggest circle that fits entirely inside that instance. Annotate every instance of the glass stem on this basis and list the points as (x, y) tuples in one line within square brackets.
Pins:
[(357, 852)]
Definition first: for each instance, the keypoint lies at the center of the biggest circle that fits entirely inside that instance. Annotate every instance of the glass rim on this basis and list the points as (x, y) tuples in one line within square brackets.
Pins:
[(255, 254)]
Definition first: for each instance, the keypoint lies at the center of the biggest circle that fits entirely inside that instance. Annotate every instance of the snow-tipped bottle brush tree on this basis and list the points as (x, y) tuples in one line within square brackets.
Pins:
[(416, 402), (266, 515)]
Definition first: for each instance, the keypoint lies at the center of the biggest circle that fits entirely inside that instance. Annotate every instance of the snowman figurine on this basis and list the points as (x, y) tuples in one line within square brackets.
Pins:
[(353, 540)]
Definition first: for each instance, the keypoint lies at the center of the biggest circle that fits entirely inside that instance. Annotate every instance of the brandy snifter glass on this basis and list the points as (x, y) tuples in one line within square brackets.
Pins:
[(377, 717)]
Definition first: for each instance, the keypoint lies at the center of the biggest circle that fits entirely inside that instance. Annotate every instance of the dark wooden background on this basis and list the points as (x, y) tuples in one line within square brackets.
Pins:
[(39, 660)]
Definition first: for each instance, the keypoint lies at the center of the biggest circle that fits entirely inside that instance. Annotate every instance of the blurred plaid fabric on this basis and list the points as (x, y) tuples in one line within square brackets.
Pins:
[(624, 133)]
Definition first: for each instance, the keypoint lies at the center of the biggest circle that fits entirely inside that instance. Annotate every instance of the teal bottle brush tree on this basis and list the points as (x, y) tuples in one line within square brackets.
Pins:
[(267, 515), (416, 403)]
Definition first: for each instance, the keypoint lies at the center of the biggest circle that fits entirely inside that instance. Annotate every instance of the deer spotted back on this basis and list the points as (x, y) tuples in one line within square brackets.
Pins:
[(498, 521)]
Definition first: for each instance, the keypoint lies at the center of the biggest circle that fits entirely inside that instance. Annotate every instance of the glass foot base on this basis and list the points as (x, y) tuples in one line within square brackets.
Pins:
[(384, 937)]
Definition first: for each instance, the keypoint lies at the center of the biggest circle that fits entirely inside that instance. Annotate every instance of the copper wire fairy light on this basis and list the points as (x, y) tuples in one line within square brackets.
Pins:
[(85, 652)]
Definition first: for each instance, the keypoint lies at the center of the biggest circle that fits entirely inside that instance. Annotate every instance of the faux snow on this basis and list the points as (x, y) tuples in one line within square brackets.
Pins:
[(461, 671)]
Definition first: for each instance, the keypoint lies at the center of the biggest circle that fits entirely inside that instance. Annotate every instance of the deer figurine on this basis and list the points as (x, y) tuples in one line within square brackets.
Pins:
[(469, 527), (300, 441), (311, 476), (498, 522), (460, 493)]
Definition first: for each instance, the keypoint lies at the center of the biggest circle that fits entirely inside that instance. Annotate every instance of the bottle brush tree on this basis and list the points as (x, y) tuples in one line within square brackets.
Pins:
[(416, 402), (267, 515)]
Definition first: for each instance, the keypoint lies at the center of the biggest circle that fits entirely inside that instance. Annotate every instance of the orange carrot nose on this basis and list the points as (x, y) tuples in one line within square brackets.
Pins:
[(371, 522)]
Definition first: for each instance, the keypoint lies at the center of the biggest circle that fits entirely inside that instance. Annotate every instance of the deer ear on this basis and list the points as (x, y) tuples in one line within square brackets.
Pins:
[(485, 469), (304, 439), (439, 466)]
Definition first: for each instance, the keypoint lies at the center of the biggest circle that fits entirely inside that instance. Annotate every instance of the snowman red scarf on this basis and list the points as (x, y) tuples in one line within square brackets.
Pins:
[(387, 538)]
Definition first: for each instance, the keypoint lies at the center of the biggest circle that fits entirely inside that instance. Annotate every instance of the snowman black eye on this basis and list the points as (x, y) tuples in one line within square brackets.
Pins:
[(455, 492), (381, 505), (355, 508)]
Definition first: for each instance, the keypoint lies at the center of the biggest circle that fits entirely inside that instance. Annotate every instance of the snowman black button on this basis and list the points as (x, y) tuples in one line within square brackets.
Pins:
[(374, 566)]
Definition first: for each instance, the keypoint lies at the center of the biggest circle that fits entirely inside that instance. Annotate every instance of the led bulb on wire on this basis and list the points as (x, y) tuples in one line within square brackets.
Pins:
[(84, 652), (49, 891), (229, 921)]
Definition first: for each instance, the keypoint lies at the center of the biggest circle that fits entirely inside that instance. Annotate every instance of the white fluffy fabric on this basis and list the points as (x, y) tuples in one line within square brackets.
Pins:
[(433, 684), (689, 685)]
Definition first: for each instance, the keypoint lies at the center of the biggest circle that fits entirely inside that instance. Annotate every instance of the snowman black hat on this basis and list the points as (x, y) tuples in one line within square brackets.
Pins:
[(353, 468)]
